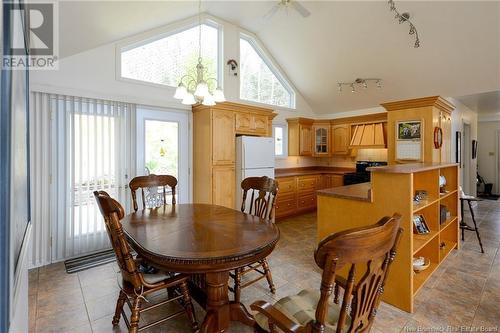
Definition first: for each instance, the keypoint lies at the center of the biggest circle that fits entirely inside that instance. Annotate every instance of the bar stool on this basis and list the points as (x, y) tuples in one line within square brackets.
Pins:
[(464, 226)]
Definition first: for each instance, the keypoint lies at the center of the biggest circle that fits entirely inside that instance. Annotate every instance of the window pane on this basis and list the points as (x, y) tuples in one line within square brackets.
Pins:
[(258, 83), (162, 147), (166, 60), (278, 140)]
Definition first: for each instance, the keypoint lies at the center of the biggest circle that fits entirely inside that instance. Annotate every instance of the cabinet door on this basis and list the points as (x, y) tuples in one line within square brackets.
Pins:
[(224, 186), (260, 125), (244, 122), (305, 140), (336, 180), (340, 138), (321, 140), (223, 137)]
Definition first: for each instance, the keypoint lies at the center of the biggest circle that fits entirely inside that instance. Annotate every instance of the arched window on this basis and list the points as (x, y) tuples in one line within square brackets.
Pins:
[(165, 59), (260, 81)]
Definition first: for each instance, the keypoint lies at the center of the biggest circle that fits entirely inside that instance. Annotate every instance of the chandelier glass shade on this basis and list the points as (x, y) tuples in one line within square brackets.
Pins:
[(195, 89)]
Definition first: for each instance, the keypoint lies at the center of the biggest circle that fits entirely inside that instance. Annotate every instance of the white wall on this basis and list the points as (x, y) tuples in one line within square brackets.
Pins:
[(487, 153), (93, 74), (460, 116)]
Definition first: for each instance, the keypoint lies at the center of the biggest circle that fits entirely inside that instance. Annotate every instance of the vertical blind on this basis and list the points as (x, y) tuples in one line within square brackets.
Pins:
[(79, 146)]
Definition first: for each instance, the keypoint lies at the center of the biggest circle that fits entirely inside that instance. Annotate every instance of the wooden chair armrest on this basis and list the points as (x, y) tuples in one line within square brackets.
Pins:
[(276, 317)]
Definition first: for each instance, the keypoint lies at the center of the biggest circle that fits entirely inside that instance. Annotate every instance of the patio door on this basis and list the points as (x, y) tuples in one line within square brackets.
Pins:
[(163, 146)]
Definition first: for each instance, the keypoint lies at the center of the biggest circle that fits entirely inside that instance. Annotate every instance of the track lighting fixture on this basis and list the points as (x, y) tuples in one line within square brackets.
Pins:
[(402, 18), (359, 82)]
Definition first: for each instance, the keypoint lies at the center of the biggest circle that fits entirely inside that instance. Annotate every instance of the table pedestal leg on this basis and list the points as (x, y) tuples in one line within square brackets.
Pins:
[(219, 311)]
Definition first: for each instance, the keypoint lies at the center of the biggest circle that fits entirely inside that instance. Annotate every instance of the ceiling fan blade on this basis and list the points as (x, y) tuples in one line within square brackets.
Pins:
[(301, 9), (271, 12)]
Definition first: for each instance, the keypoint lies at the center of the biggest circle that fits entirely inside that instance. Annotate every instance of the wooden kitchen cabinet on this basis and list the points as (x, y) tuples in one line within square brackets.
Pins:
[(223, 137), (300, 137), (214, 148), (340, 139), (224, 186), (321, 139), (252, 124), (297, 194)]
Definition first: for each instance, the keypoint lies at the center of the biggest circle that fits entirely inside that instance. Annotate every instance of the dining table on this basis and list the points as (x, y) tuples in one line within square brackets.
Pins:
[(203, 239)]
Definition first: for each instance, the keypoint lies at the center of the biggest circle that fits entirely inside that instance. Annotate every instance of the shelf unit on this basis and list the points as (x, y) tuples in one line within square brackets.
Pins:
[(392, 191)]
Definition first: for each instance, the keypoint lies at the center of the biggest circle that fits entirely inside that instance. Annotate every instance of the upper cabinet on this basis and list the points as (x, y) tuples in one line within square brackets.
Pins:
[(300, 137), (321, 139), (252, 124), (340, 139)]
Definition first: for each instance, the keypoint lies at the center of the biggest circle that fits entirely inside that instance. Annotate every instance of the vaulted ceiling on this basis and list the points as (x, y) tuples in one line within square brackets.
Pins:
[(340, 41)]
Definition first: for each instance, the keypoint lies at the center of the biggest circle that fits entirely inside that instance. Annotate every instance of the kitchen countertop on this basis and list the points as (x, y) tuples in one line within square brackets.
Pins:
[(360, 192), (410, 168), (289, 172)]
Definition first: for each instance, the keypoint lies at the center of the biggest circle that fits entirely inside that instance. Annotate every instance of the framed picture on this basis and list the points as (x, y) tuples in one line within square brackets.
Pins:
[(419, 225), (409, 130), (458, 148), (474, 149)]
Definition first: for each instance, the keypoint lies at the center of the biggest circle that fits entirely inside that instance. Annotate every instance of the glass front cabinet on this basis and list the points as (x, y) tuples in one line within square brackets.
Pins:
[(321, 139)]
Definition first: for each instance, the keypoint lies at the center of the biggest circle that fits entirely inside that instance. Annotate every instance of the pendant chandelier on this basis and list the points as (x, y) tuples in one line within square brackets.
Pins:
[(192, 90)]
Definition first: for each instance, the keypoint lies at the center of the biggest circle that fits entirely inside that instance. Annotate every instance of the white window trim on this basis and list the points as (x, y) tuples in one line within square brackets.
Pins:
[(268, 60), (165, 31), (285, 139)]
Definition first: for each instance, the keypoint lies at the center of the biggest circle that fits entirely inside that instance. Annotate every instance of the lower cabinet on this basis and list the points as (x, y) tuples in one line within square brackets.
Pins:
[(223, 186), (297, 194)]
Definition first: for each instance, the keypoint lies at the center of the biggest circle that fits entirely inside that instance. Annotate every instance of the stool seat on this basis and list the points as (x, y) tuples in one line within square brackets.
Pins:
[(464, 226)]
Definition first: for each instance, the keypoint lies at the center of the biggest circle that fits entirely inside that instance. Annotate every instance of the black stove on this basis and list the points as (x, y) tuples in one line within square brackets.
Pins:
[(361, 175)]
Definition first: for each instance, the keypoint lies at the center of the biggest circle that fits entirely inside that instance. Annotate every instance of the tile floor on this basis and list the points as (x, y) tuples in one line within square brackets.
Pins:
[(85, 301)]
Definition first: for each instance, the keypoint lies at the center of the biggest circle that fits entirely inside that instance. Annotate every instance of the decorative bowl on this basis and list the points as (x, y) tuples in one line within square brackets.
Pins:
[(419, 267)]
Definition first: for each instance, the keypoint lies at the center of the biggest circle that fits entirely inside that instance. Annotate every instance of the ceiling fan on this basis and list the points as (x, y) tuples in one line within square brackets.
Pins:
[(288, 4)]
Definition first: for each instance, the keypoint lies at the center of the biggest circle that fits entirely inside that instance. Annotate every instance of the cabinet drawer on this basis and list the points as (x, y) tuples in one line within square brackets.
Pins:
[(307, 183), (285, 207), (307, 201), (286, 185)]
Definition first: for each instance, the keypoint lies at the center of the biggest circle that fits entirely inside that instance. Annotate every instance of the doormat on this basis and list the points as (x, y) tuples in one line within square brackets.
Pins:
[(488, 196), (92, 260)]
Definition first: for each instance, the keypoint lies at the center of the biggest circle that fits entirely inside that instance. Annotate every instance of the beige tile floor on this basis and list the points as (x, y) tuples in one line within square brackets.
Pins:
[(464, 292)]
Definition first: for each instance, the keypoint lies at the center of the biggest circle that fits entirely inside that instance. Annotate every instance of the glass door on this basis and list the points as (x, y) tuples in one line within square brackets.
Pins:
[(163, 146)]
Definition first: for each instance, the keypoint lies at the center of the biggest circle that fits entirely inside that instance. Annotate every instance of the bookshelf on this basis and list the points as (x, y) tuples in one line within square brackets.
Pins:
[(392, 191)]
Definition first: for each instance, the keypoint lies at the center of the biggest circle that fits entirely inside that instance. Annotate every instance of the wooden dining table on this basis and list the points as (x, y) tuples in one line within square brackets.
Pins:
[(203, 239)]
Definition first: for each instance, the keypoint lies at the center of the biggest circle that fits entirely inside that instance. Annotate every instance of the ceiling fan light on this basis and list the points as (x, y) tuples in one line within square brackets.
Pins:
[(189, 99), (219, 95), (201, 90), (180, 92), (208, 100)]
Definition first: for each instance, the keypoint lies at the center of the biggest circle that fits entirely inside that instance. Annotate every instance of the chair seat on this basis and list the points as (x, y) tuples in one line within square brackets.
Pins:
[(157, 277), (301, 309)]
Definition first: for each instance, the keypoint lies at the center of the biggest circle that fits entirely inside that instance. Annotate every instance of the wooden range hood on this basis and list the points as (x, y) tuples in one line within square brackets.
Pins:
[(368, 135)]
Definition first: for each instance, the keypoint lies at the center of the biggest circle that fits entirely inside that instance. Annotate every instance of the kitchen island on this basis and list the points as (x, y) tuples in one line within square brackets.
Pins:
[(392, 190)]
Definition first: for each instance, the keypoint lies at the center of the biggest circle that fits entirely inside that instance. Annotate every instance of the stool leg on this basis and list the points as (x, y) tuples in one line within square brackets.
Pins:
[(475, 227)]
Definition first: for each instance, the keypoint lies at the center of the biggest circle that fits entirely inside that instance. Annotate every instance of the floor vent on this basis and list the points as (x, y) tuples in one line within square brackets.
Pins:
[(92, 260)]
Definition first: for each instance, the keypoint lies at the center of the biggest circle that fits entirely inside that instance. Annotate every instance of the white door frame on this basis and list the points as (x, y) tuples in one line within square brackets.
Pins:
[(183, 118)]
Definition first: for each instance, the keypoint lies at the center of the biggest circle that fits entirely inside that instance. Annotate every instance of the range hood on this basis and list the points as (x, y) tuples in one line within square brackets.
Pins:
[(368, 136)]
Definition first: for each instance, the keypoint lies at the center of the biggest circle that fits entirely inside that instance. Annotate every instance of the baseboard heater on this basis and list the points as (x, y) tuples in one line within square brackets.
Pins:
[(92, 260)]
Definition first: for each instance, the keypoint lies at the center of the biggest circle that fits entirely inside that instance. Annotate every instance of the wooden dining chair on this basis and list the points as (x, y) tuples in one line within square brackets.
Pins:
[(367, 252), (262, 192), (153, 190), (134, 285)]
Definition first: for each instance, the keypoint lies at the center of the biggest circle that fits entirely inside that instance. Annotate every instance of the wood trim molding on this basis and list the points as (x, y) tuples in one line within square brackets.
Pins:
[(236, 107), (435, 101), (300, 120), (369, 118)]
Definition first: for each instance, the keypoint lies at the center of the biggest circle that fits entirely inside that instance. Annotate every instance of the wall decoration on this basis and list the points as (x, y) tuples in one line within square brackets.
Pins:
[(419, 225), (409, 130), (474, 149), (458, 148), (438, 137), (409, 140)]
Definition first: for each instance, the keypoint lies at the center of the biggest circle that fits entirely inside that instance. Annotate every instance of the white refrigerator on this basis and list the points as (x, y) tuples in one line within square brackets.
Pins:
[(254, 158)]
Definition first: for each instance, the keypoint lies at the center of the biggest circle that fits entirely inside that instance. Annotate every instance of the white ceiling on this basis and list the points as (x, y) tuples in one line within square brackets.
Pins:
[(340, 41), (485, 104)]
